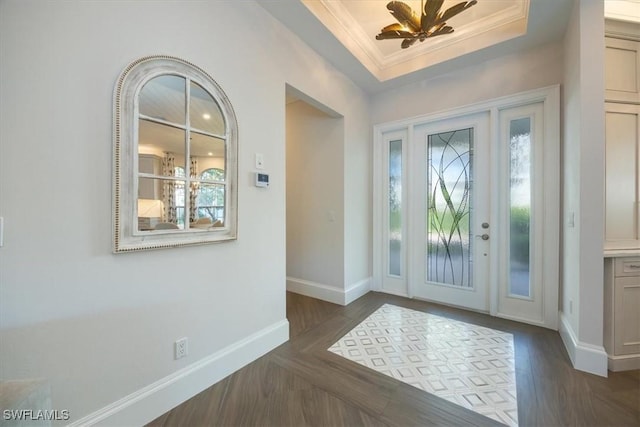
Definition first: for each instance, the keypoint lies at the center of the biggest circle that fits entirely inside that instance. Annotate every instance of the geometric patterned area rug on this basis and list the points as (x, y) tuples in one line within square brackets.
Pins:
[(469, 365)]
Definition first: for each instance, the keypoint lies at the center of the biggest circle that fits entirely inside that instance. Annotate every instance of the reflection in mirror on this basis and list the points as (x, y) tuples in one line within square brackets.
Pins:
[(163, 156), (168, 207), (175, 151), (150, 212), (163, 98), (158, 140), (211, 203), (205, 114), (203, 147)]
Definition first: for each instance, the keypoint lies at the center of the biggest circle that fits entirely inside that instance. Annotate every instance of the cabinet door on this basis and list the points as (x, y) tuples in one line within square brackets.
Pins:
[(622, 180), (622, 70), (627, 315)]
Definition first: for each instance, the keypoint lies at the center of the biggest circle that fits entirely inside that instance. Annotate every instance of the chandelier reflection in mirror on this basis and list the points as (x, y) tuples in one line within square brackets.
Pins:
[(175, 157), (431, 23)]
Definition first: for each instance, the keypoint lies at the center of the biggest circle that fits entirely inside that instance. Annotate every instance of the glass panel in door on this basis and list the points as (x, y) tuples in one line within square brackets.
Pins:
[(449, 178), (519, 206), (395, 208)]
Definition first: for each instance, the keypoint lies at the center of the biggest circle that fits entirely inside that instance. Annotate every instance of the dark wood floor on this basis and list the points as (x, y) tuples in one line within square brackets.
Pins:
[(302, 384)]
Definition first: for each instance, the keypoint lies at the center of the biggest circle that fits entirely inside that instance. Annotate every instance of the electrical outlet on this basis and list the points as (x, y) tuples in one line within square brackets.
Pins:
[(181, 348)]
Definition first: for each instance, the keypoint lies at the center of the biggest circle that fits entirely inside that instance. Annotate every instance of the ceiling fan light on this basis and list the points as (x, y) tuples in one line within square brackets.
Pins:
[(431, 23)]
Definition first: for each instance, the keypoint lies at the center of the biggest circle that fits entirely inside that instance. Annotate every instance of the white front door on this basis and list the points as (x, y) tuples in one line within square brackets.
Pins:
[(469, 208), (450, 208)]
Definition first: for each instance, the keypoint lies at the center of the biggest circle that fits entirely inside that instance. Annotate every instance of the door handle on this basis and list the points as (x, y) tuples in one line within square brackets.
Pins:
[(483, 236)]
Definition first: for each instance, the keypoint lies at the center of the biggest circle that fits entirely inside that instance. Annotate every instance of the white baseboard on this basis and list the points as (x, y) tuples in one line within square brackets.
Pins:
[(357, 290), (584, 357), (148, 403), (329, 293), (624, 363)]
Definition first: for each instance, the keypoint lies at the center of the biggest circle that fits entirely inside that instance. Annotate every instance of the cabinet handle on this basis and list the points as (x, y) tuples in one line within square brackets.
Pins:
[(634, 266)]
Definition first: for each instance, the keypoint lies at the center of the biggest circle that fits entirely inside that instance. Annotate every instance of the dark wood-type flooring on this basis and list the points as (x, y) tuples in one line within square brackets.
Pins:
[(302, 384)]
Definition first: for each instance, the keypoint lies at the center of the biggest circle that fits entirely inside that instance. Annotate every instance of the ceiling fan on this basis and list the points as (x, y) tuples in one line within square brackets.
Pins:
[(431, 23)]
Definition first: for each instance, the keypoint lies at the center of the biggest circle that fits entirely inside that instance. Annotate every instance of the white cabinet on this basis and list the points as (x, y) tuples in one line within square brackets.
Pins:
[(622, 196), (622, 187), (622, 133), (622, 312), (622, 70)]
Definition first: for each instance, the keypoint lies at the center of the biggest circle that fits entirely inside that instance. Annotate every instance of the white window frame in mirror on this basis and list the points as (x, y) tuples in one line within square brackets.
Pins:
[(127, 237)]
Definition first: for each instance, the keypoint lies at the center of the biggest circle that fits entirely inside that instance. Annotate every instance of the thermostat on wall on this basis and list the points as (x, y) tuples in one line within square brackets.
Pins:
[(262, 179)]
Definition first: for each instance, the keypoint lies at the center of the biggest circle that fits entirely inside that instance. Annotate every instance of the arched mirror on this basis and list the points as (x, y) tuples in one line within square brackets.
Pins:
[(175, 157)]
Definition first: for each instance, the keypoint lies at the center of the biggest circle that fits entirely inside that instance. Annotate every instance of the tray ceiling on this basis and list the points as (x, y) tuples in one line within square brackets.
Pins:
[(343, 32), (356, 23)]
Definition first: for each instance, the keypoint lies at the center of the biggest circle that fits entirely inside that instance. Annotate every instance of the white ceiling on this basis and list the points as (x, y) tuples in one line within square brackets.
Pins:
[(343, 31)]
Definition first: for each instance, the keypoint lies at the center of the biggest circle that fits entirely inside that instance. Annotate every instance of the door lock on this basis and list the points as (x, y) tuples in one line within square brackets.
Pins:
[(485, 225)]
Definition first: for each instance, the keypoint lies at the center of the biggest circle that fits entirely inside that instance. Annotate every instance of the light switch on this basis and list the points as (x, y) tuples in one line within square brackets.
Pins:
[(259, 161)]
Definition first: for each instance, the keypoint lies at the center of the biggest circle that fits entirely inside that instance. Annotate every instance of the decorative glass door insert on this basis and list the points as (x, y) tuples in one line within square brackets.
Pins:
[(449, 178)]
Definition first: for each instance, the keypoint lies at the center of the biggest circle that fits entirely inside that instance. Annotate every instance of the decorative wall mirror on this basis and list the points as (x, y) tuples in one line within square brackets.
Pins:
[(175, 157)]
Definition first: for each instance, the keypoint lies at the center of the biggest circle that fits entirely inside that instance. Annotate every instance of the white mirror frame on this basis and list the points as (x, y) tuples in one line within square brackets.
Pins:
[(127, 238)]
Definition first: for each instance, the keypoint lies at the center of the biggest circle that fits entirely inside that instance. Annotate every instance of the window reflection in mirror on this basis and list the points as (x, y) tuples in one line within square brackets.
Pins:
[(181, 157)]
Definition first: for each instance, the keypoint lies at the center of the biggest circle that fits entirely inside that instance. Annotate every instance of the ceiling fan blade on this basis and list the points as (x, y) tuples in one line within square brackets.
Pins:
[(408, 42), (454, 10), (442, 31), (430, 14), (394, 34), (394, 27), (436, 28), (404, 15)]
